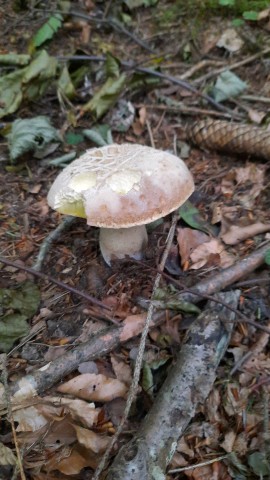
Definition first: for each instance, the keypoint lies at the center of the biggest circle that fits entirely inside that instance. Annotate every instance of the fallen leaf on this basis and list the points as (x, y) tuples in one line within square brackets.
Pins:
[(188, 240), (84, 412), (98, 388), (236, 234), (91, 440), (7, 457), (202, 255), (122, 370)]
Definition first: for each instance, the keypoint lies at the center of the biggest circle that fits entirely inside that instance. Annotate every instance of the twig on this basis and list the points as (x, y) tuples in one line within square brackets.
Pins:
[(52, 237), (233, 66), (139, 359), (183, 109), (150, 133), (60, 284), (199, 66), (187, 86), (188, 384), (198, 465), (103, 21)]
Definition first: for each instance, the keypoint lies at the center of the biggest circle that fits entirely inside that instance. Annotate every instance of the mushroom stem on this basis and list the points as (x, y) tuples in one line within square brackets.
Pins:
[(121, 242)]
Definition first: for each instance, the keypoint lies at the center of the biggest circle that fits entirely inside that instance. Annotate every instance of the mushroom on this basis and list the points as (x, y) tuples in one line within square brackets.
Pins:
[(121, 188)]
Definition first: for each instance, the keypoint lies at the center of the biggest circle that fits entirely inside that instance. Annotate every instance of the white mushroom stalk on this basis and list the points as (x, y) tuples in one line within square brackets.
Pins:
[(117, 243), (121, 188)]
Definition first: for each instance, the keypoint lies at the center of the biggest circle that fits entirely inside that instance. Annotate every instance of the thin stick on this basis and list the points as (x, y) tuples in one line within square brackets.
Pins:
[(139, 359), (54, 235), (60, 284), (233, 66)]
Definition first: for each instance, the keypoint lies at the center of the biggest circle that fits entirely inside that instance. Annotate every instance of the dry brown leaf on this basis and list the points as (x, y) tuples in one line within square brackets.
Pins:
[(122, 370), (72, 461), (91, 440), (98, 388), (228, 441), (236, 234), (7, 457), (188, 240), (256, 116), (79, 410), (29, 419), (201, 256)]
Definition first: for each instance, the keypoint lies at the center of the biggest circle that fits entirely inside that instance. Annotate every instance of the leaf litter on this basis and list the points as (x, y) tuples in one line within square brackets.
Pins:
[(228, 218)]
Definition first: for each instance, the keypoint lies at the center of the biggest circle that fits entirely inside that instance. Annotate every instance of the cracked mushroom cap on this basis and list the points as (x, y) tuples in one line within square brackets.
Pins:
[(120, 186)]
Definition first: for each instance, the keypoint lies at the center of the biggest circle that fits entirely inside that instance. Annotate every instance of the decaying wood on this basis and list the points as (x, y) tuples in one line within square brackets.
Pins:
[(230, 137), (187, 385)]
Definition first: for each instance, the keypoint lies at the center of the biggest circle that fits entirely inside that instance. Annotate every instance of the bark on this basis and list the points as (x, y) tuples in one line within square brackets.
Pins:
[(187, 385)]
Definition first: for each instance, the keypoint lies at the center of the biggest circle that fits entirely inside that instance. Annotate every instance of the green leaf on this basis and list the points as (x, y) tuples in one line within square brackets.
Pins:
[(106, 97), (192, 216), (14, 59), (47, 31), (43, 66), (147, 380), (253, 16), (167, 300), (258, 462), (112, 66), (227, 85), (65, 84), (226, 3), (30, 134), (237, 22), (17, 305), (138, 3), (72, 138), (101, 135), (267, 257), (11, 93), (12, 327)]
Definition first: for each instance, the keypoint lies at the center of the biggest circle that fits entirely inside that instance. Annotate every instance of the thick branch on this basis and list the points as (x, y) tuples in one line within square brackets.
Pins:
[(187, 385)]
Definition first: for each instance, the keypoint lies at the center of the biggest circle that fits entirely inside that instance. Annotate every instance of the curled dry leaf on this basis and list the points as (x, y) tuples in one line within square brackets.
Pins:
[(188, 240), (122, 370), (79, 410), (209, 253), (98, 388), (236, 234), (91, 440)]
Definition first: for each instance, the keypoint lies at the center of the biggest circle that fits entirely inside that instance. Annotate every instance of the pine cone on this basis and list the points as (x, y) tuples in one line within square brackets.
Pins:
[(230, 137)]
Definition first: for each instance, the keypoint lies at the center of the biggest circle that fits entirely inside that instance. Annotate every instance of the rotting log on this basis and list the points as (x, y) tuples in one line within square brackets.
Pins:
[(188, 384)]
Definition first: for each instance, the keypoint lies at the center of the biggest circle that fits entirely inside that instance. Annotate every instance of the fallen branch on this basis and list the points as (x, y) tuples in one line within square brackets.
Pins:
[(187, 385), (97, 346), (226, 277)]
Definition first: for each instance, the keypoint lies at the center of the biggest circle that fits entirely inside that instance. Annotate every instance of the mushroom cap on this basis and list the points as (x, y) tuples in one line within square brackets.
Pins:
[(120, 186)]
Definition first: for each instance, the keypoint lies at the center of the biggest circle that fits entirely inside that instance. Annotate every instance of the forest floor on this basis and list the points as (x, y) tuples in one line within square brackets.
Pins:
[(143, 74)]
